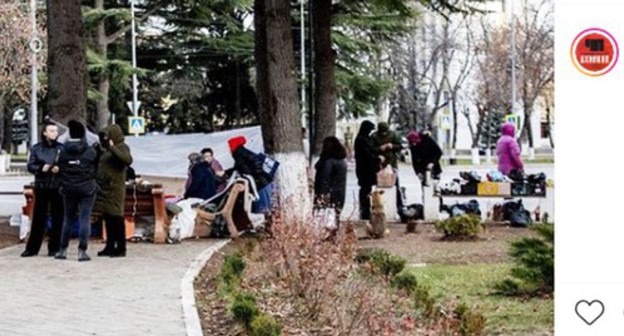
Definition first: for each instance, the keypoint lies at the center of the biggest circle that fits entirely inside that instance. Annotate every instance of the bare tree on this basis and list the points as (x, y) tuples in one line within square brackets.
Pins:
[(15, 62), (535, 57)]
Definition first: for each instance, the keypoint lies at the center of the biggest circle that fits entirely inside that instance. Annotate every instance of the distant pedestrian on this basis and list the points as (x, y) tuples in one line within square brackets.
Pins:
[(330, 181), (111, 176), (508, 150), (77, 167), (43, 163), (426, 155), (366, 166)]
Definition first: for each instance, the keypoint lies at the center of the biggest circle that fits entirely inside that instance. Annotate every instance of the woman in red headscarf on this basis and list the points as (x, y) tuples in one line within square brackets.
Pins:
[(425, 154), (246, 163)]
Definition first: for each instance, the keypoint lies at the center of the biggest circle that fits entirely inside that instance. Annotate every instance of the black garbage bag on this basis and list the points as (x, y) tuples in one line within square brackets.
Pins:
[(412, 212), (516, 214)]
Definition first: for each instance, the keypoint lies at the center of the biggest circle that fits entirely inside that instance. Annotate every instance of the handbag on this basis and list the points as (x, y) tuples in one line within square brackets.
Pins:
[(386, 178)]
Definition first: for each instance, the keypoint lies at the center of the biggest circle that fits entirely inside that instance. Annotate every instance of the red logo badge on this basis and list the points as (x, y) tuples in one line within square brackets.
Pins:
[(594, 52)]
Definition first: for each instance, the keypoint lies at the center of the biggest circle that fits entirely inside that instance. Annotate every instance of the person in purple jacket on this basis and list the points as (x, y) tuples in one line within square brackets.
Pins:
[(508, 150)]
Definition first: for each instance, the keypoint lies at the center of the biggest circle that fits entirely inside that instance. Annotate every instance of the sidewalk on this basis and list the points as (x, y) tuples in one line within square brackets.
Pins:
[(136, 295)]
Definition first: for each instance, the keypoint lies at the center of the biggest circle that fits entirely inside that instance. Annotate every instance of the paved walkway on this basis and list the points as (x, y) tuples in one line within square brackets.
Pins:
[(135, 295)]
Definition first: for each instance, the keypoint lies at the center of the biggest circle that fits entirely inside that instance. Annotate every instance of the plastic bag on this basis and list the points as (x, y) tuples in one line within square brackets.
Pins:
[(325, 218), (386, 178)]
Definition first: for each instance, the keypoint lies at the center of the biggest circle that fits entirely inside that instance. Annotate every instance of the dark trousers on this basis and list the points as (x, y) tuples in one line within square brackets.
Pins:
[(399, 200), (364, 199), (77, 208), (43, 199), (115, 233)]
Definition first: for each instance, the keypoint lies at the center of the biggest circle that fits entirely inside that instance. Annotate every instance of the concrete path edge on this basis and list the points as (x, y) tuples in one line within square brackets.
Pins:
[(189, 307)]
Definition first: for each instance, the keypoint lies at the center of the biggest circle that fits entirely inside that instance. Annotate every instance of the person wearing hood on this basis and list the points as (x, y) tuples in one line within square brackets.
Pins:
[(425, 154), (508, 150), (43, 163), (330, 181), (201, 182), (389, 146), (77, 167), (115, 159), (367, 164)]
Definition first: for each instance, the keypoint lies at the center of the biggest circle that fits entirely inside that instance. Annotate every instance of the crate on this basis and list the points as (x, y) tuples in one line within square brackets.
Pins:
[(493, 189)]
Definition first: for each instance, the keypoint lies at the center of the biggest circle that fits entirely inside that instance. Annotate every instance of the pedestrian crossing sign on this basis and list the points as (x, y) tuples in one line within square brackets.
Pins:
[(136, 125), (513, 119)]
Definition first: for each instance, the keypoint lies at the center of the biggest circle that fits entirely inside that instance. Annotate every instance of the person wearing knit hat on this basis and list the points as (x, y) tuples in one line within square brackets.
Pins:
[(246, 163), (235, 142), (76, 129), (426, 154), (77, 166)]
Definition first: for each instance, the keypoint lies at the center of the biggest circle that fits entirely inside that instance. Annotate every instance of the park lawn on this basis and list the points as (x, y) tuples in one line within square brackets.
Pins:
[(473, 284)]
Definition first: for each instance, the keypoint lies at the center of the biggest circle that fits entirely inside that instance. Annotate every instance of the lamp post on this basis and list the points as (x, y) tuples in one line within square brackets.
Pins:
[(35, 47), (134, 76), (513, 56)]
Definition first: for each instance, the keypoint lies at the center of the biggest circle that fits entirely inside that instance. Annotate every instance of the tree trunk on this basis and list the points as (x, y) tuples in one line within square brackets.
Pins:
[(5, 132), (66, 61), (278, 105), (325, 79), (101, 43)]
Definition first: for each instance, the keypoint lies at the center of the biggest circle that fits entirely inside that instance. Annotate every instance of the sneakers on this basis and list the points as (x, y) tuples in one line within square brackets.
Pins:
[(61, 255), (83, 256)]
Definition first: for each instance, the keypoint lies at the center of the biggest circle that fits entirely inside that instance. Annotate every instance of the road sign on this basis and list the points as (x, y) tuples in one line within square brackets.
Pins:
[(513, 119), (136, 125), (129, 103)]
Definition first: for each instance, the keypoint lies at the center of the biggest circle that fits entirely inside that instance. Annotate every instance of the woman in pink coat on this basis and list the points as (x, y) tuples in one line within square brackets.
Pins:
[(508, 150)]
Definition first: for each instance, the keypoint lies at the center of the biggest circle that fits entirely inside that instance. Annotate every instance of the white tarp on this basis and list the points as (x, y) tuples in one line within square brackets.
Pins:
[(166, 155)]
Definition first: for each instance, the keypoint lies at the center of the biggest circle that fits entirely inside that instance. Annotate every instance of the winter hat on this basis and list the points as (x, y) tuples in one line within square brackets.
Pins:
[(413, 137), (76, 129), (236, 142)]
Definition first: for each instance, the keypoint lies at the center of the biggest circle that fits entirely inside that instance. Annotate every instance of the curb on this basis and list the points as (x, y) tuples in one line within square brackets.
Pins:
[(189, 308)]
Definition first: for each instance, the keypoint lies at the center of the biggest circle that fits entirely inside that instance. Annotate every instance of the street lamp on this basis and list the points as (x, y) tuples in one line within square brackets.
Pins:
[(35, 47), (135, 99)]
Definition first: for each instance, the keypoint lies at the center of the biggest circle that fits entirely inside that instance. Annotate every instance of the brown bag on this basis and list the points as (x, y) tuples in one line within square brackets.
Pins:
[(386, 178)]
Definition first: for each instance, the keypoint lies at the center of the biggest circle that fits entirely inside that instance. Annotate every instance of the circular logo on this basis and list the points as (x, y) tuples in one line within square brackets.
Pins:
[(594, 52)]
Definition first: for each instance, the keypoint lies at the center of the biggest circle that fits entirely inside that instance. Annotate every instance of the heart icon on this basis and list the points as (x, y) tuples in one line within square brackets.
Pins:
[(589, 312)]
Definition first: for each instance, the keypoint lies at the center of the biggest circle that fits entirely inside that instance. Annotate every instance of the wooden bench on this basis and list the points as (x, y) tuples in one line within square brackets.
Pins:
[(141, 200)]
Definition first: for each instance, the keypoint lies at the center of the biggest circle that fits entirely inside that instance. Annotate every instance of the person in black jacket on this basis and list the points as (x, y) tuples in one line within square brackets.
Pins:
[(43, 163), (202, 183), (77, 165), (246, 163), (330, 181), (367, 163), (425, 154)]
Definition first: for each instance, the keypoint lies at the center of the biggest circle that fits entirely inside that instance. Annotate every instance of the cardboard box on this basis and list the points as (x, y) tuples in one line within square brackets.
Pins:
[(494, 189)]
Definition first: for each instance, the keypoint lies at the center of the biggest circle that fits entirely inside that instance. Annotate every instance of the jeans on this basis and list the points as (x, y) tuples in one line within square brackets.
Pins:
[(77, 208)]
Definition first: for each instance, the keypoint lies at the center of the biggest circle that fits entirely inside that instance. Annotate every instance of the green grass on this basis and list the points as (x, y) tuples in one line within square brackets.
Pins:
[(473, 284)]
